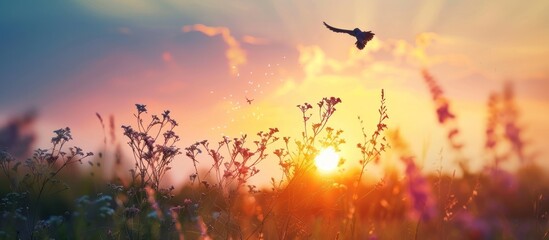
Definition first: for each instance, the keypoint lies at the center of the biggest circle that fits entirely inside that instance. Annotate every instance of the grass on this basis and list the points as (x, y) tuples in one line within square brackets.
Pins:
[(47, 196)]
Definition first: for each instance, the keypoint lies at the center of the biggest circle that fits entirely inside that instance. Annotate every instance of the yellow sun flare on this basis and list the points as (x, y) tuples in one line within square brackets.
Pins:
[(327, 160)]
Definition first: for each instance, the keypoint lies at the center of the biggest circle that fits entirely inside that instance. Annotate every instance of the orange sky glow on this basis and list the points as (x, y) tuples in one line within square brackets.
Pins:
[(202, 60)]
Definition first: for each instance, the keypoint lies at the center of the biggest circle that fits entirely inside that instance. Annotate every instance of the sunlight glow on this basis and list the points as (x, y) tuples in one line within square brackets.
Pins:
[(327, 160)]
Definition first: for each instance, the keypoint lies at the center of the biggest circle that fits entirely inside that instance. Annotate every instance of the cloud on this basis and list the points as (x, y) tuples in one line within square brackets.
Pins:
[(254, 40), (399, 54), (235, 54), (379, 54), (391, 64)]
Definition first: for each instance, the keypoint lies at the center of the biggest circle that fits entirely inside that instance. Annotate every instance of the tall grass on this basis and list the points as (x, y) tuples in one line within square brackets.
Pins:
[(44, 196)]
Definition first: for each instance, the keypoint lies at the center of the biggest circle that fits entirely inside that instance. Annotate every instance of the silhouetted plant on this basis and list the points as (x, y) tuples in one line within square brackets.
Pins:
[(143, 202), (153, 147), (297, 165), (220, 201), (39, 175), (233, 163), (370, 150), (446, 118), (503, 134)]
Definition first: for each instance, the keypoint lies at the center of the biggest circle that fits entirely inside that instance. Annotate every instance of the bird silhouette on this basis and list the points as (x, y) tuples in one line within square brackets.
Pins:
[(249, 100), (362, 37)]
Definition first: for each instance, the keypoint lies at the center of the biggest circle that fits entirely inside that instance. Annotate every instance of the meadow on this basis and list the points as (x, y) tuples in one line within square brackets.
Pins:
[(64, 192)]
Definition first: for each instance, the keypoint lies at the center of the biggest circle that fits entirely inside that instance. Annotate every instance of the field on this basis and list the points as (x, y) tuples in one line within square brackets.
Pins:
[(178, 119), (51, 195)]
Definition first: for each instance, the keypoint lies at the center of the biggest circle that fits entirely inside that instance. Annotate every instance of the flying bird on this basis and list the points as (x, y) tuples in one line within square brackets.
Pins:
[(361, 37), (249, 100)]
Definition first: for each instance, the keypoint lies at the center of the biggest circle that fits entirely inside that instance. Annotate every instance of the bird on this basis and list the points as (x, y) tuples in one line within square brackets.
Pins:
[(362, 37), (249, 100)]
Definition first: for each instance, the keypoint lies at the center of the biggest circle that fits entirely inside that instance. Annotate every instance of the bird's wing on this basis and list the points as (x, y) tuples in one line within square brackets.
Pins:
[(360, 45), (369, 35), (338, 30)]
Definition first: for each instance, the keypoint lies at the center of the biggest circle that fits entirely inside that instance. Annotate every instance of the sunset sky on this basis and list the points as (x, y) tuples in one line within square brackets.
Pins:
[(201, 59)]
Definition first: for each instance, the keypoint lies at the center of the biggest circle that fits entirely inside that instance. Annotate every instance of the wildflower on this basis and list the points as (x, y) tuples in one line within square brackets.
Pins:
[(176, 208), (140, 108), (192, 177), (285, 165), (333, 100), (168, 152), (444, 114), (246, 153), (473, 227), (512, 131), (243, 170), (131, 212), (166, 114), (76, 151), (216, 156), (149, 141), (273, 131), (63, 134), (503, 179), (170, 134), (128, 131), (502, 125), (173, 122), (305, 107), (155, 119), (51, 221), (279, 152), (5, 157), (419, 190), (116, 188), (442, 104), (151, 159)]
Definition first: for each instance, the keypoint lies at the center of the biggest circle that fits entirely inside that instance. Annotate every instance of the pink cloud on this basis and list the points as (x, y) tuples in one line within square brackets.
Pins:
[(254, 40)]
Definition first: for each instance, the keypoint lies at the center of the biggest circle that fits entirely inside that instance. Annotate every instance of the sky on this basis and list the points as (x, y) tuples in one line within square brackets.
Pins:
[(201, 59)]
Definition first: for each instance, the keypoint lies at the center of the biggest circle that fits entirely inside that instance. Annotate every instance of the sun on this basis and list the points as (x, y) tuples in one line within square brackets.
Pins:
[(327, 160)]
